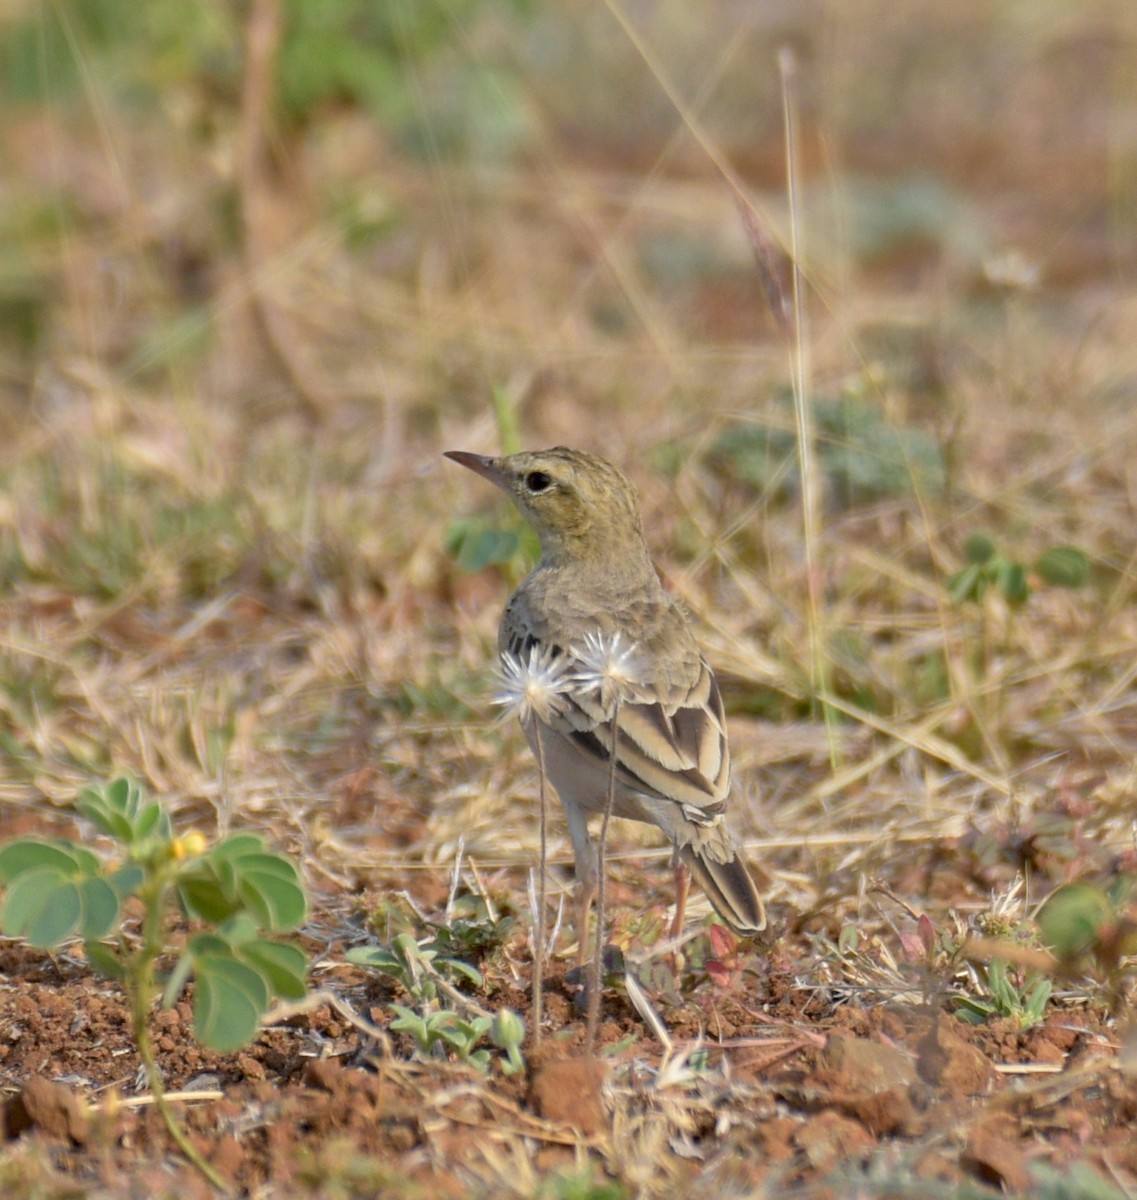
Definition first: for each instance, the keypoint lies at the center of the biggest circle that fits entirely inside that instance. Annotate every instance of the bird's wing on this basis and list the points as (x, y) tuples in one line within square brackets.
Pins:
[(673, 748)]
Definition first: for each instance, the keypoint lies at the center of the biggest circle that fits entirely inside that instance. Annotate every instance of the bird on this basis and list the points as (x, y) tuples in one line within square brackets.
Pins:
[(596, 594)]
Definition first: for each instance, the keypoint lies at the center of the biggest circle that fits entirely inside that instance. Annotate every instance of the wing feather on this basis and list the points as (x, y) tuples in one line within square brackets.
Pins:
[(673, 750)]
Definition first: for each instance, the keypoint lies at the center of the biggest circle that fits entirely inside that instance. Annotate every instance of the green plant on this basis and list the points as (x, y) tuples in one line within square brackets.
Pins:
[(862, 455), (423, 971), (56, 890), (1077, 1181), (1082, 923), (417, 967), (473, 929), (1020, 997), (507, 1032), (1002, 988), (998, 586), (987, 568), (442, 1026), (581, 1185)]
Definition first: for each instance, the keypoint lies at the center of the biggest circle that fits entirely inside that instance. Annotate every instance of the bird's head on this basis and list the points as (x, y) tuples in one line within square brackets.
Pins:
[(578, 503)]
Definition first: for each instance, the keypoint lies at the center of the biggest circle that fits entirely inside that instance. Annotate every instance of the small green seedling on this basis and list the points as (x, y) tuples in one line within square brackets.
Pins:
[(422, 970), (417, 967), (1021, 999)]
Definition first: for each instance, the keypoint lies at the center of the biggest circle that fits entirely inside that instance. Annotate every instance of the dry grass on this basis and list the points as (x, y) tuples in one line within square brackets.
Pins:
[(226, 575)]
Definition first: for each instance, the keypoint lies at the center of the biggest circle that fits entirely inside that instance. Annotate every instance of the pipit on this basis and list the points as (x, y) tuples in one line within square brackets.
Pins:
[(593, 624)]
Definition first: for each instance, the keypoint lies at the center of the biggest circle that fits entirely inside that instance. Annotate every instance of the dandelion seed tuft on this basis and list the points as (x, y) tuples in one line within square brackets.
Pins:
[(533, 686), (609, 665)]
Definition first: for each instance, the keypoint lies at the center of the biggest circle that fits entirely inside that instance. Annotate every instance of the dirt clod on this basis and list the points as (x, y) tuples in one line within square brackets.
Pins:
[(570, 1092), (49, 1107), (947, 1061), (830, 1138), (997, 1160), (869, 1081)]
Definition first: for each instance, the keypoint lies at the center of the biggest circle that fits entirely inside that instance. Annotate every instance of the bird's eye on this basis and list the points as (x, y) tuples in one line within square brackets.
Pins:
[(538, 481)]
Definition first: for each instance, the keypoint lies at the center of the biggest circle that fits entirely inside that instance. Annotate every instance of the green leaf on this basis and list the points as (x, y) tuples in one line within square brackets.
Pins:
[(408, 1021), (104, 961), (208, 942), (974, 1012), (455, 966), (271, 890), (968, 584), (239, 875), (152, 820), (108, 807), (1064, 566), (1013, 582), (463, 1035), (377, 957), (228, 1002), (31, 854), (201, 894), (126, 880), (237, 845), (1072, 919), (507, 1029), (1036, 1005), (1004, 992), (100, 908), (42, 906), (979, 548), (121, 793), (239, 929), (283, 967)]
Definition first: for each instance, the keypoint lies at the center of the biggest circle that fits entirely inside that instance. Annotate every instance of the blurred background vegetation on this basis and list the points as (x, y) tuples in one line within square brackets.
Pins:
[(261, 262)]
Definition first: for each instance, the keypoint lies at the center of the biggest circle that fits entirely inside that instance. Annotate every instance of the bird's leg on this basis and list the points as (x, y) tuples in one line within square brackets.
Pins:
[(587, 874), (585, 894), (682, 887)]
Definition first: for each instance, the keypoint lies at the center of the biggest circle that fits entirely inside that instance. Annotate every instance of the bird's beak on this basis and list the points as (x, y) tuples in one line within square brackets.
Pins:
[(482, 464)]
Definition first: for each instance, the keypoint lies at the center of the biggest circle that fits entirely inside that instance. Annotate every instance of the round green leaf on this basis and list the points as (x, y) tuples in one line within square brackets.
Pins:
[(228, 1002), (1071, 920), (31, 854), (100, 908), (283, 967), (42, 906), (270, 887), (237, 845), (979, 548), (202, 895), (1064, 566)]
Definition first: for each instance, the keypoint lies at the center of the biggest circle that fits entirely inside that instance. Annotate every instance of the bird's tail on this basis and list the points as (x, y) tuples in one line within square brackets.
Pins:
[(729, 888)]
